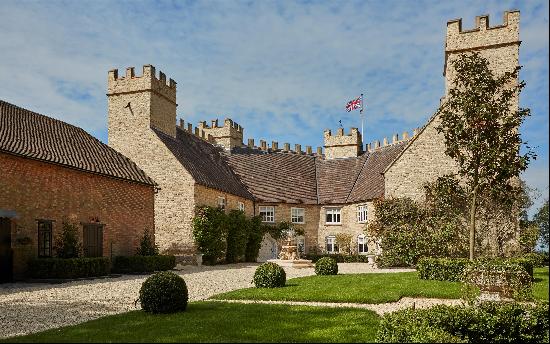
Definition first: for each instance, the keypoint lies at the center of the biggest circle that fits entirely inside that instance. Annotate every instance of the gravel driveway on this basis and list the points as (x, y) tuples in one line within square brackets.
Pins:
[(31, 307)]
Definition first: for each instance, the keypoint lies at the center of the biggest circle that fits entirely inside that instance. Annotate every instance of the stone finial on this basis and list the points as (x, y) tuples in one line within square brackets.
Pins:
[(148, 71), (415, 131), (263, 145), (309, 150), (196, 131), (214, 123), (298, 148), (274, 145), (286, 147), (340, 132), (189, 127), (130, 72), (202, 124), (251, 143), (369, 147), (319, 151), (182, 123), (376, 144), (385, 141), (162, 78), (405, 136), (395, 138)]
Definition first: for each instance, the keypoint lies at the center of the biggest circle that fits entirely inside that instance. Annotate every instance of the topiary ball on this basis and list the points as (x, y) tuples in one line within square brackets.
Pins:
[(269, 275), (326, 266), (163, 292)]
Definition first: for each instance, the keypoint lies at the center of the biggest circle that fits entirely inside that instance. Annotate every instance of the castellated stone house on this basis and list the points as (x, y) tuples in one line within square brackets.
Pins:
[(327, 191)]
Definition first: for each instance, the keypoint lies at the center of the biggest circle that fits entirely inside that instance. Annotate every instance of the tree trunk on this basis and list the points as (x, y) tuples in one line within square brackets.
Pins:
[(473, 223)]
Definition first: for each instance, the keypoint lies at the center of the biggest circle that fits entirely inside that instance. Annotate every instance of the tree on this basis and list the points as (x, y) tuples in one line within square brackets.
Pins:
[(541, 219), (147, 245), (480, 125), (66, 243)]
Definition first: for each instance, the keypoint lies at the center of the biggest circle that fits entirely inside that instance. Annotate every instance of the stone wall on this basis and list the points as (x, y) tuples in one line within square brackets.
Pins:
[(34, 190), (209, 196), (349, 225)]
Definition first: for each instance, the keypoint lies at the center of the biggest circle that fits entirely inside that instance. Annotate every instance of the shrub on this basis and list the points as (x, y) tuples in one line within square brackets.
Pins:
[(138, 264), (66, 243), (254, 240), (442, 269), (269, 275), (163, 292), (490, 322), (326, 266), (69, 267), (210, 233), (147, 245), (537, 259), (237, 236)]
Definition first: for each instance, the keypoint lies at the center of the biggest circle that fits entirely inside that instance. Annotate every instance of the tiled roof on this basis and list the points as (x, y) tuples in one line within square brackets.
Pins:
[(32, 135), (204, 162), (336, 178), (370, 182), (276, 176)]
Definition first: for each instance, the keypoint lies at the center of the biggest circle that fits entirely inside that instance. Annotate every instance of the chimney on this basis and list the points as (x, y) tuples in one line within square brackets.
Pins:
[(274, 145), (263, 145), (309, 150), (286, 147), (251, 143), (298, 148)]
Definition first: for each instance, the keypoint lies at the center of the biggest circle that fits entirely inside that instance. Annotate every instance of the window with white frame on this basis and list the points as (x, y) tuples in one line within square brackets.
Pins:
[(333, 215), (267, 214), (297, 215), (362, 213), (331, 245), (241, 206), (362, 246), (221, 203)]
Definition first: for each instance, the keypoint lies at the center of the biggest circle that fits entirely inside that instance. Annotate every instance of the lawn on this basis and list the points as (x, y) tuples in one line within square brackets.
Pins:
[(540, 288), (223, 322), (357, 288)]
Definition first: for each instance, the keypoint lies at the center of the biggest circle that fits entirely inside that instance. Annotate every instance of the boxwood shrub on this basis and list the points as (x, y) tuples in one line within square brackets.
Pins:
[(490, 322), (163, 292), (326, 266), (68, 268), (139, 264), (269, 275), (453, 269)]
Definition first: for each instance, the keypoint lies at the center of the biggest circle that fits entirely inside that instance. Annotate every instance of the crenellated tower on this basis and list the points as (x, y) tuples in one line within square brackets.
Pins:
[(498, 44), (229, 135), (342, 146)]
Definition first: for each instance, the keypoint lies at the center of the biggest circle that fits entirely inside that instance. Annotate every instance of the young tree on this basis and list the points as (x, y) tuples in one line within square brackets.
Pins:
[(481, 128)]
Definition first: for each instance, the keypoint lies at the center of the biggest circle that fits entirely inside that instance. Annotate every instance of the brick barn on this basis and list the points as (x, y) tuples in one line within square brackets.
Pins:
[(51, 172)]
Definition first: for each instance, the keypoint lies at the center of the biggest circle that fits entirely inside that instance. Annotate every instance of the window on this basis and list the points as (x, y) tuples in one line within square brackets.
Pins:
[(333, 215), (241, 206), (44, 238), (362, 213), (362, 246), (332, 246), (297, 215), (221, 203), (267, 214)]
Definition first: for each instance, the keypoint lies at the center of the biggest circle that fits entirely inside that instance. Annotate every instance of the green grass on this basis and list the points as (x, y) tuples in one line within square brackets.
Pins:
[(540, 288), (223, 322), (357, 288)]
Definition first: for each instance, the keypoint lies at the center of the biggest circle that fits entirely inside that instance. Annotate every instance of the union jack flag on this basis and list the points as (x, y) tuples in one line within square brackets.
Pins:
[(355, 104)]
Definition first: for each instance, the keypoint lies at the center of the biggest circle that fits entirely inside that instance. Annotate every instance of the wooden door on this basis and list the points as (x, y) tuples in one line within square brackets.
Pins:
[(93, 240), (6, 253)]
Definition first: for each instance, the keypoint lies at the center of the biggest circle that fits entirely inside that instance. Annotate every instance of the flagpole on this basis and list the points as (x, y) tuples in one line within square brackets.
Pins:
[(362, 117)]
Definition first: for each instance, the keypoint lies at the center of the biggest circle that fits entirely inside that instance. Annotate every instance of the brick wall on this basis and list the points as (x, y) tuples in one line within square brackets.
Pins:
[(36, 190)]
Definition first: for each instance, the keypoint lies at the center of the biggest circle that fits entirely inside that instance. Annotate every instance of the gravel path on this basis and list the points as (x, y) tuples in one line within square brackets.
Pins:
[(30, 307), (380, 309)]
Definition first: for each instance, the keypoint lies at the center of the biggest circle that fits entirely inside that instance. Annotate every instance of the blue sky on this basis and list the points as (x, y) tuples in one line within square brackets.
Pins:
[(282, 69)]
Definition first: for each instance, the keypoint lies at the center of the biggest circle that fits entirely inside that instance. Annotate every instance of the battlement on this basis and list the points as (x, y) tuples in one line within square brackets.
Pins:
[(395, 139), (482, 35), (341, 145), (148, 81), (229, 135), (274, 148), (228, 125)]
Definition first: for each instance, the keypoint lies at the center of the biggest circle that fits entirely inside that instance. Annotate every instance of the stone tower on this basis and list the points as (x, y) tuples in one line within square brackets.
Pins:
[(229, 135), (342, 146), (498, 44)]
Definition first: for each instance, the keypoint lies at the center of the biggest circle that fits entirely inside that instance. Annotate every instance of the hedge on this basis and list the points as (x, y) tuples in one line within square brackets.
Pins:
[(138, 264), (490, 322), (340, 258), (452, 269), (68, 268)]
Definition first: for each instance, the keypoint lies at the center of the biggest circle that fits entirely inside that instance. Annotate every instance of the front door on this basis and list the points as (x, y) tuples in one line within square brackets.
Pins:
[(93, 240), (6, 255)]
